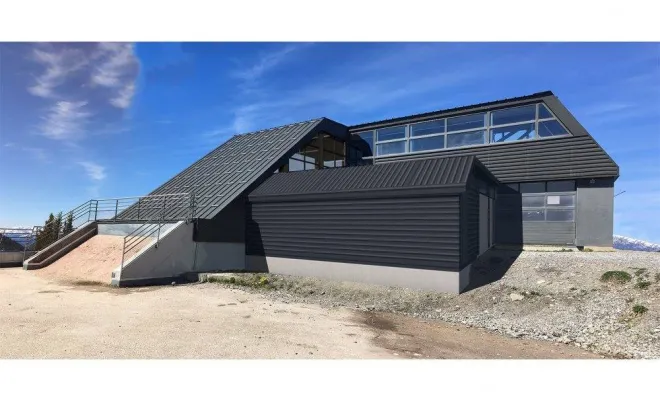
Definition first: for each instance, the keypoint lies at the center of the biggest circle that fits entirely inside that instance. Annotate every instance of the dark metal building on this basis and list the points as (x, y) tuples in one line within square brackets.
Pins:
[(409, 201)]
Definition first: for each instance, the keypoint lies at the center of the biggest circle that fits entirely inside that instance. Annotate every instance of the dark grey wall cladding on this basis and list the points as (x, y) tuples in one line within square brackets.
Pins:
[(419, 232), (469, 226), (507, 215), (227, 226), (549, 233), (535, 160)]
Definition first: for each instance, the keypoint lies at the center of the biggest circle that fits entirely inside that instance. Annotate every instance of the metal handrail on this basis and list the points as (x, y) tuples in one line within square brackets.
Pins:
[(111, 209), (154, 225)]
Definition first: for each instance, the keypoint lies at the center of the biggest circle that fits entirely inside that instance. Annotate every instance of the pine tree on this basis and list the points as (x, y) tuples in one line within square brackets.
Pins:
[(68, 225), (57, 227), (44, 236)]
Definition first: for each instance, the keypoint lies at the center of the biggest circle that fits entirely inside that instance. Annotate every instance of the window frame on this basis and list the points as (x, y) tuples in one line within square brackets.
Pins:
[(488, 127)]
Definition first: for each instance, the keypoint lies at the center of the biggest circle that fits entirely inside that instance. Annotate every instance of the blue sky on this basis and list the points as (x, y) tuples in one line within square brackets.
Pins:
[(115, 119)]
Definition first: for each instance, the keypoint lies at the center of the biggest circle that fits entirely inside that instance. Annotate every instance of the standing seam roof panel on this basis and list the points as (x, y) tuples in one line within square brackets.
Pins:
[(452, 171), (224, 173)]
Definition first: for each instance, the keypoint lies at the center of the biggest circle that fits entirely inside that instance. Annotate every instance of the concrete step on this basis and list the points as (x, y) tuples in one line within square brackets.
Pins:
[(58, 249)]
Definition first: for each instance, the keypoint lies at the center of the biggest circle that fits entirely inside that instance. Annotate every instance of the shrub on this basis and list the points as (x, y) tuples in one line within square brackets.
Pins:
[(639, 309), (642, 284), (616, 277)]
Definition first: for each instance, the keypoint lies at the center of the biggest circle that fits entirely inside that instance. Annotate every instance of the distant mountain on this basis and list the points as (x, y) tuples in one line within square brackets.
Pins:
[(626, 243)]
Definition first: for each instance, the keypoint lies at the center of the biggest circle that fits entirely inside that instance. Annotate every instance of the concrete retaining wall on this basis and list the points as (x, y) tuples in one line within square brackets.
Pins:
[(426, 279), (125, 229), (178, 255)]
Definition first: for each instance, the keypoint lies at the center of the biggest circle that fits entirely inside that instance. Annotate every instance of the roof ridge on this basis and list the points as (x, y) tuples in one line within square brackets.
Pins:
[(280, 127)]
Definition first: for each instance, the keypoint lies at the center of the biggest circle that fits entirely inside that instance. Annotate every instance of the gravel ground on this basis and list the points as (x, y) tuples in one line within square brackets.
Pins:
[(554, 296), (43, 318)]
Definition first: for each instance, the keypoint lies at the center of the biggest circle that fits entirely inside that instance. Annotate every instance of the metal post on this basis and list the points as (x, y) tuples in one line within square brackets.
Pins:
[(123, 254), (96, 210), (116, 208), (138, 211)]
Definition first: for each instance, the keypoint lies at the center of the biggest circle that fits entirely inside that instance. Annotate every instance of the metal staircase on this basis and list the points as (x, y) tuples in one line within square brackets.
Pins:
[(151, 212)]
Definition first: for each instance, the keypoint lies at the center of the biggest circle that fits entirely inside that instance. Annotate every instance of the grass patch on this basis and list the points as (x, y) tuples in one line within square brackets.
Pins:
[(88, 283), (640, 271), (616, 277), (639, 309), (642, 284), (587, 250), (249, 280), (657, 277)]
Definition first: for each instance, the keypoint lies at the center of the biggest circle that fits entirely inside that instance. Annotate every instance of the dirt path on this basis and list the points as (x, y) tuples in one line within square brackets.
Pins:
[(47, 319)]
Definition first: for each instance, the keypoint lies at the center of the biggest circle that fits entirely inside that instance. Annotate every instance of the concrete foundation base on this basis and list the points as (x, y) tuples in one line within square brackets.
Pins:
[(425, 279)]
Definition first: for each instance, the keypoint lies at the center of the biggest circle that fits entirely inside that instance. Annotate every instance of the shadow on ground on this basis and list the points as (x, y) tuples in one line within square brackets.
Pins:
[(491, 267)]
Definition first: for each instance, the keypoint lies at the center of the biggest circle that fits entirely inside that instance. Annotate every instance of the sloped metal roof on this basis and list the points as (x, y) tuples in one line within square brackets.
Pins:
[(450, 173), (226, 172)]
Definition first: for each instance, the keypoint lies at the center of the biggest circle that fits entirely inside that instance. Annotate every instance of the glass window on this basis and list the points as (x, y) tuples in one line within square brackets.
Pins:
[(561, 186), (533, 201), (512, 133), (544, 112), (393, 133), (390, 148), (551, 128), (559, 215), (429, 143), (532, 187), (296, 165), (364, 141), (513, 115), (466, 122), (562, 200), (533, 215), (466, 139), (427, 128)]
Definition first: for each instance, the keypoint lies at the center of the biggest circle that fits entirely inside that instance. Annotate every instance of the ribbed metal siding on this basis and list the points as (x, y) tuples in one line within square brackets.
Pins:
[(418, 232), (535, 160), (549, 233), (413, 174), (509, 227), (470, 226)]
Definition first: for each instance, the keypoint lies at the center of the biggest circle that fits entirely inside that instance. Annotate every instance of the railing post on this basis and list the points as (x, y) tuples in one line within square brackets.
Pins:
[(123, 254), (138, 211), (116, 208), (96, 210)]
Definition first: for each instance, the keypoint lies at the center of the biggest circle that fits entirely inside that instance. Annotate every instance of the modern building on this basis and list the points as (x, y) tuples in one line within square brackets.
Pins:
[(409, 201)]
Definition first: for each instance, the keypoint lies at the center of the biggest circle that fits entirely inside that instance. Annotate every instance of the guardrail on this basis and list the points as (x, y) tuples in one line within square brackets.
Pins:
[(165, 207), (156, 223)]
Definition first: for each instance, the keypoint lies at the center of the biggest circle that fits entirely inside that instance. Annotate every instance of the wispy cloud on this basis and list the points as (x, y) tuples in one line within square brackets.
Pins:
[(93, 170), (57, 66), (116, 71), (266, 62), (65, 120), (81, 81)]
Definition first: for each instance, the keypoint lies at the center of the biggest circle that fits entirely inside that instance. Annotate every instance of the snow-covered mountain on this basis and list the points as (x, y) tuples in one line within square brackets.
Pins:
[(626, 243)]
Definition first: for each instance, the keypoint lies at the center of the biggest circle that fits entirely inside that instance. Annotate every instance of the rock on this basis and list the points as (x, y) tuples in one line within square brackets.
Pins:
[(516, 296), (173, 283), (540, 282), (440, 310)]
